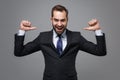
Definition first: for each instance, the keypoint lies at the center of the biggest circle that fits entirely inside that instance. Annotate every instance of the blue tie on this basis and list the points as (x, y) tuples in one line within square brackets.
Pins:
[(59, 45)]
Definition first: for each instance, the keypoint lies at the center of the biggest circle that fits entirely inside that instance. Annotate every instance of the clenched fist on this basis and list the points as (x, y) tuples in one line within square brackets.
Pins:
[(26, 25), (93, 25)]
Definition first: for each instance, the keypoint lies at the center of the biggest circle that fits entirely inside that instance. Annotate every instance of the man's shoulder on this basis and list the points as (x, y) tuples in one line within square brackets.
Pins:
[(45, 35), (73, 32), (46, 32)]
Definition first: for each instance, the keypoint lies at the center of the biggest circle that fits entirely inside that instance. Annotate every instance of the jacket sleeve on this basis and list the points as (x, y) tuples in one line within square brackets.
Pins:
[(98, 49), (21, 50)]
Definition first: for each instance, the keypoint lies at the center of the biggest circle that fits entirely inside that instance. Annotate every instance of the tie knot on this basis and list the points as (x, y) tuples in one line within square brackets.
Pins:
[(59, 35)]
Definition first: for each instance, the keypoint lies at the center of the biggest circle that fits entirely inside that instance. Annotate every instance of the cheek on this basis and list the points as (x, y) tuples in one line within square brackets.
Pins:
[(65, 24), (54, 23)]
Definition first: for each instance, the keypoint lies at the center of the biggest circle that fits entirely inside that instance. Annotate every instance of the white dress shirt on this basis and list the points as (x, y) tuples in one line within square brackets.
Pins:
[(64, 39)]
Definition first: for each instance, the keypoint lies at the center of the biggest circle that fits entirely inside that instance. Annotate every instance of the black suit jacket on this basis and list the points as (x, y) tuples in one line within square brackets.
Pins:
[(60, 67)]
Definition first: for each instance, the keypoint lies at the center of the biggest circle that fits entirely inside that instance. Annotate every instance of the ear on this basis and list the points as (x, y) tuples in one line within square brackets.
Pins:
[(51, 18)]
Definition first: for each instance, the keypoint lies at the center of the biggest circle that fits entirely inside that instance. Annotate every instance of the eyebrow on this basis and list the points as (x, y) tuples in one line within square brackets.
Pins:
[(58, 19)]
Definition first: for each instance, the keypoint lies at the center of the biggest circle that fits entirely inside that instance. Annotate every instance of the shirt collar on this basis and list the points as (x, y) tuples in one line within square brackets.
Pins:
[(55, 34)]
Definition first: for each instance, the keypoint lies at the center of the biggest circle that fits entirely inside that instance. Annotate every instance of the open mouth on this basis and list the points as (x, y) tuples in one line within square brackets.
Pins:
[(59, 28)]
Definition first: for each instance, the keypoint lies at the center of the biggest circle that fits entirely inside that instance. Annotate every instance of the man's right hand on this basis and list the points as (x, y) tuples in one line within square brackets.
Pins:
[(26, 25)]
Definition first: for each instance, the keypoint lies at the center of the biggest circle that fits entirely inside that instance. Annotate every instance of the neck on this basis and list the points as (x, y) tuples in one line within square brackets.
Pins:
[(63, 34)]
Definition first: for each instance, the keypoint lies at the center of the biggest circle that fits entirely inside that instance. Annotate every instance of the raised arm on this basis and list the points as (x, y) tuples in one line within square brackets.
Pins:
[(98, 49), (19, 48)]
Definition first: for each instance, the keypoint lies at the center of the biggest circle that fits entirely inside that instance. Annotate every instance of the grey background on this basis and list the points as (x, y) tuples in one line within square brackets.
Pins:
[(31, 67)]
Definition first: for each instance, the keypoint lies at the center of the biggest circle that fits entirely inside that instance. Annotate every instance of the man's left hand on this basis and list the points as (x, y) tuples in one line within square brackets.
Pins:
[(93, 25)]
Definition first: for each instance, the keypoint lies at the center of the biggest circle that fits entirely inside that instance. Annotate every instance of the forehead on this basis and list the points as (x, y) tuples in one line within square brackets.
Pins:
[(59, 14)]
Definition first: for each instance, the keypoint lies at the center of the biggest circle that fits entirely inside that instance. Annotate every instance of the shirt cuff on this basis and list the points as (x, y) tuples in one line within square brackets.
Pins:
[(98, 33), (21, 33)]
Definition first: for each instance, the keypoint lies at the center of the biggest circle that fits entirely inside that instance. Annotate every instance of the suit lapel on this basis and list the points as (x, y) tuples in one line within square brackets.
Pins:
[(50, 41), (68, 33)]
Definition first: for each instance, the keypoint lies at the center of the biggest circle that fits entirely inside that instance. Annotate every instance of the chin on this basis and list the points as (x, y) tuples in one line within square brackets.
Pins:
[(59, 32)]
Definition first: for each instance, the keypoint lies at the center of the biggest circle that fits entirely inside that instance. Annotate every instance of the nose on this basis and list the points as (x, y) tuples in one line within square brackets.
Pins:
[(59, 23)]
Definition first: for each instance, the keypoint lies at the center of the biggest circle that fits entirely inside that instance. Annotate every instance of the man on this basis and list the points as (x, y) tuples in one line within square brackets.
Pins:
[(60, 45)]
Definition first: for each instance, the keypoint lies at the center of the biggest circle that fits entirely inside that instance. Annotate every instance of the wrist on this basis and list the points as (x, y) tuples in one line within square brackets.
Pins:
[(99, 32), (21, 32)]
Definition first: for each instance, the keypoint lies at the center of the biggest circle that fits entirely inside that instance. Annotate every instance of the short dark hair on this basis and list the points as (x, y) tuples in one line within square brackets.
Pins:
[(59, 8)]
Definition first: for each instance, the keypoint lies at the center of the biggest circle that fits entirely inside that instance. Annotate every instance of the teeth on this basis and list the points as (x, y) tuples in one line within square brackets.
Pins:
[(59, 28)]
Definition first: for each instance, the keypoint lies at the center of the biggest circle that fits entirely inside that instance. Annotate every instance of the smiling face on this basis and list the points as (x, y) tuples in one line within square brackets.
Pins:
[(59, 21)]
